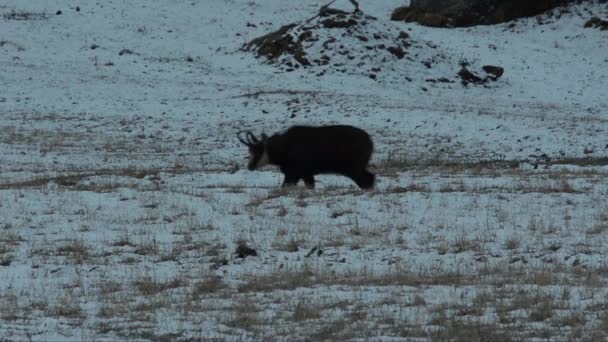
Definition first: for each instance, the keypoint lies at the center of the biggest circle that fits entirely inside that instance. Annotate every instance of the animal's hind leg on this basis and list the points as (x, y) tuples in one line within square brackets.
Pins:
[(290, 181), (309, 181), (364, 179)]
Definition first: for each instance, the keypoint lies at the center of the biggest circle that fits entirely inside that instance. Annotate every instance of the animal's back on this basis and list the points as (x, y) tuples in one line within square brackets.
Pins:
[(338, 148)]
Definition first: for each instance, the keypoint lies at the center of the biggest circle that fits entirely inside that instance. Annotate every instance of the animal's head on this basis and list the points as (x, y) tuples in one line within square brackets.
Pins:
[(258, 153)]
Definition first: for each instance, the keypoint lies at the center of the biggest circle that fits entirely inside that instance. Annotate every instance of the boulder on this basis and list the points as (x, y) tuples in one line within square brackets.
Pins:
[(467, 76), (597, 23), (463, 13)]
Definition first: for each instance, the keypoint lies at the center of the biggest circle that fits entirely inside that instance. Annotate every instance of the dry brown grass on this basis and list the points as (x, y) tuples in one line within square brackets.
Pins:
[(149, 286), (149, 247), (292, 245), (495, 263), (289, 280), (463, 331), (75, 250), (207, 285), (498, 275), (545, 186), (25, 15), (245, 315), (512, 244), (67, 306), (7, 249), (395, 163), (9, 308), (303, 311)]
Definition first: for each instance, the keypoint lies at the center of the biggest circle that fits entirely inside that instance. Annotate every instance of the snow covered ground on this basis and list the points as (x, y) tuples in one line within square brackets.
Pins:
[(124, 195)]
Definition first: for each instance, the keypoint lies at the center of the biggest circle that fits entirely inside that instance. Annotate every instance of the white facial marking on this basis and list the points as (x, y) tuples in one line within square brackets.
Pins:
[(263, 160)]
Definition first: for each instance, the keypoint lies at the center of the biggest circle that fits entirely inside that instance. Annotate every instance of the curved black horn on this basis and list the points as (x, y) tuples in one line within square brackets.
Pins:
[(243, 141), (252, 137)]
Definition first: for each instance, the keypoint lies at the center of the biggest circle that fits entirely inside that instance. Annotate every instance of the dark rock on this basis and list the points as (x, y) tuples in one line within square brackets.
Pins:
[(463, 13), (469, 77), (494, 71), (439, 80), (274, 44), (312, 251), (598, 23), (397, 51), (125, 52), (338, 23), (400, 13), (243, 251)]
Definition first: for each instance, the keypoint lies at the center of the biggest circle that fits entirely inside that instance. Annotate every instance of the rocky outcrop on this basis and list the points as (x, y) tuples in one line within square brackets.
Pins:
[(463, 13), (333, 41)]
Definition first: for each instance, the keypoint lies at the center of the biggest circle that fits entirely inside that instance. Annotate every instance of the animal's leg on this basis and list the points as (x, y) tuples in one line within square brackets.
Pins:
[(290, 181), (309, 181), (364, 179)]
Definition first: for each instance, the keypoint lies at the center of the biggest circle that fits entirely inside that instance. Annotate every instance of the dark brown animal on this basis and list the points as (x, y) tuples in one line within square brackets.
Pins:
[(302, 152)]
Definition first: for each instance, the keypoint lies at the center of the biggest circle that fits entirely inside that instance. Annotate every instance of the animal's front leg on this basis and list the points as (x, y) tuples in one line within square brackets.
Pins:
[(290, 181), (309, 181)]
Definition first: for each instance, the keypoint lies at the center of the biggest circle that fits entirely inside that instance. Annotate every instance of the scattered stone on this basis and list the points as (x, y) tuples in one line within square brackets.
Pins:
[(338, 22), (494, 71), (312, 251), (439, 80), (397, 51), (125, 52), (598, 23), (243, 251), (467, 76), (275, 43)]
